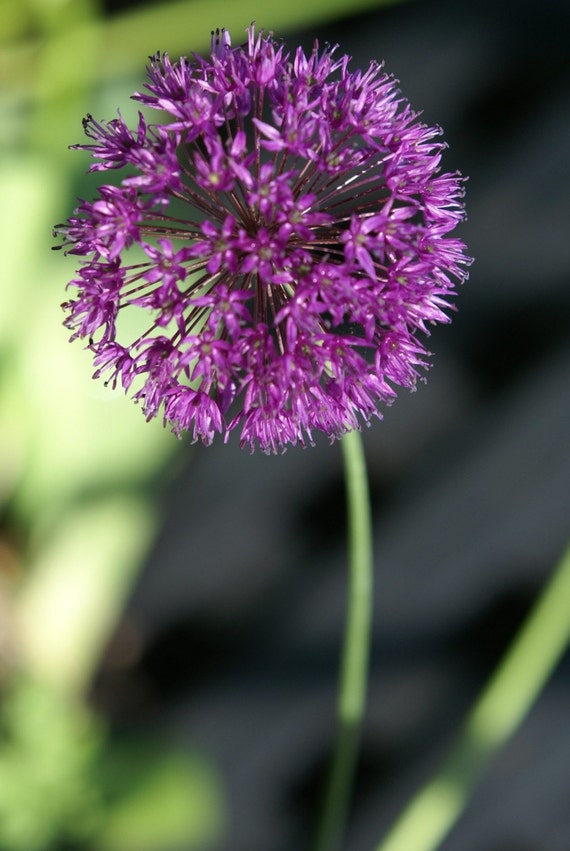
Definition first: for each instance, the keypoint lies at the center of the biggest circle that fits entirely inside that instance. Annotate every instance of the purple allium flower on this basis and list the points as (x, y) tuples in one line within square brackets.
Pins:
[(282, 234)]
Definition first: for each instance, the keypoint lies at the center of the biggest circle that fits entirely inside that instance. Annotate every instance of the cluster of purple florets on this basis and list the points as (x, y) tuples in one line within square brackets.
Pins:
[(282, 234)]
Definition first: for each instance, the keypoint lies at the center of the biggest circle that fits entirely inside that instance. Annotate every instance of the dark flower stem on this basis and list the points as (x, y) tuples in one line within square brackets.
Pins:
[(356, 650)]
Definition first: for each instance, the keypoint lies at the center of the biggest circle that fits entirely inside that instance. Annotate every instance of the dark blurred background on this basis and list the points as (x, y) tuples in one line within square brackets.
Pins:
[(241, 602), (229, 641)]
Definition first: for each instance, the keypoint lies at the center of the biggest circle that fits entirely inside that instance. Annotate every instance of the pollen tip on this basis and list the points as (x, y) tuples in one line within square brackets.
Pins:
[(220, 42)]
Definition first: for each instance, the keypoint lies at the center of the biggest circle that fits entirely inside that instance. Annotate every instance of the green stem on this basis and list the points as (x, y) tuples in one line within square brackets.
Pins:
[(356, 650), (510, 693)]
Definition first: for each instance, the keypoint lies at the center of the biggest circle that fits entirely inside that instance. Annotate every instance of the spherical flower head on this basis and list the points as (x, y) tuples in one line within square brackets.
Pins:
[(281, 237)]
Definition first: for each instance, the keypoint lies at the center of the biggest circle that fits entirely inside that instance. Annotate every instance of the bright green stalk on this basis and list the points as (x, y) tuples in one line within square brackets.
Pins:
[(354, 667), (505, 701)]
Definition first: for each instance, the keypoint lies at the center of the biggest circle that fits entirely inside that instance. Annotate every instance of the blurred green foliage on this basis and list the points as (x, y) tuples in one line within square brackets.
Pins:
[(47, 749), (62, 780)]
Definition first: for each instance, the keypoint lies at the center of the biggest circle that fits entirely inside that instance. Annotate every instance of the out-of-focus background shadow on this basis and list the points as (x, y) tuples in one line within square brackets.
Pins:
[(171, 616)]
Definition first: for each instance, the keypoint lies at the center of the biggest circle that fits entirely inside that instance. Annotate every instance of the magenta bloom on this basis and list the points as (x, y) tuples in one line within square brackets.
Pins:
[(282, 234)]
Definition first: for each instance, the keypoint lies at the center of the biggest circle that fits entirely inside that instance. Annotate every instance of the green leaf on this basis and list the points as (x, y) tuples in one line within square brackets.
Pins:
[(160, 802)]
